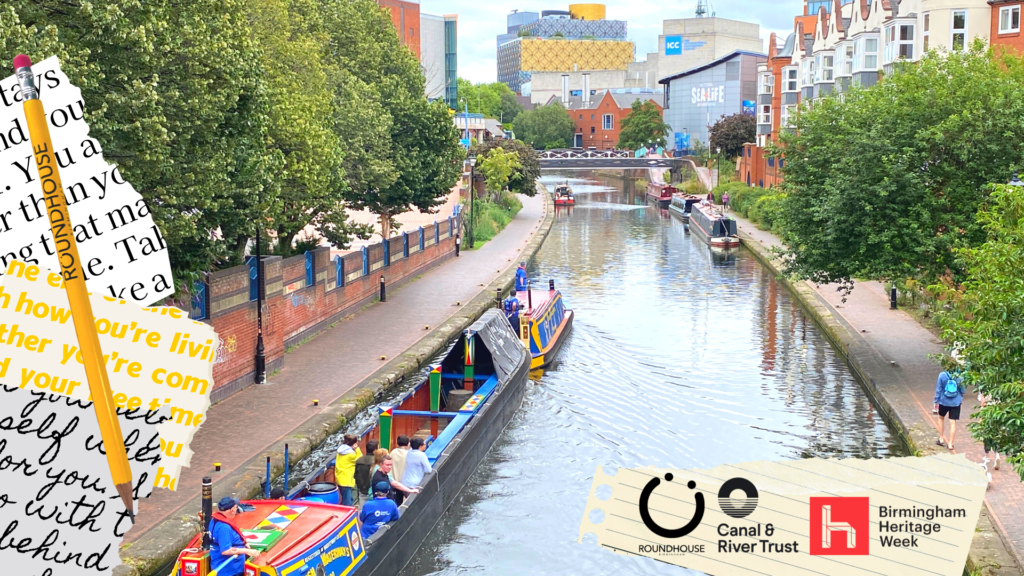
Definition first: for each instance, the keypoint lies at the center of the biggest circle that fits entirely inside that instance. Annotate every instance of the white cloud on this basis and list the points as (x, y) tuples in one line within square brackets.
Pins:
[(480, 22)]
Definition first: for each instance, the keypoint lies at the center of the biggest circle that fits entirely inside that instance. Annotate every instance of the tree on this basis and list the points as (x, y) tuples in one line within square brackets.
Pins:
[(986, 315), (546, 127), (496, 166), (524, 177), (510, 108), (494, 100), (885, 182), (642, 125), (730, 133)]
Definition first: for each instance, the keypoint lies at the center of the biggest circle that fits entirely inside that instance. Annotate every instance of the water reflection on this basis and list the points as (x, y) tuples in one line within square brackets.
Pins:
[(679, 357)]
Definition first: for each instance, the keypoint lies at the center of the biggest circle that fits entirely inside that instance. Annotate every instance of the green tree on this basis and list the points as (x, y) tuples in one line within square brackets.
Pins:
[(493, 100), (496, 166), (986, 315), (524, 178), (510, 108), (886, 182), (546, 127), (730, 133), (643, 124)]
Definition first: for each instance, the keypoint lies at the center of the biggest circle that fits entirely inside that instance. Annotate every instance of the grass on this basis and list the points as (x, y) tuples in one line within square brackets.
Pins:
[(493, 216)]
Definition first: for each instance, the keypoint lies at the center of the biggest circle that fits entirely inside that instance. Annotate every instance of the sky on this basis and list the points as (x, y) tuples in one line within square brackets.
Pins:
[(481, 21)]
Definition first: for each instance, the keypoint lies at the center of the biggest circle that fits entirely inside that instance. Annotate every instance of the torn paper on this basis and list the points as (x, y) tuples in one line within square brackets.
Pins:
[(123, 253), (154, 356), (59, 512), (898, 516)]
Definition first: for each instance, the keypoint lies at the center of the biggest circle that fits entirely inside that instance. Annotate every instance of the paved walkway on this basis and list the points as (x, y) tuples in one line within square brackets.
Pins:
[(898, 338), (327, 367)]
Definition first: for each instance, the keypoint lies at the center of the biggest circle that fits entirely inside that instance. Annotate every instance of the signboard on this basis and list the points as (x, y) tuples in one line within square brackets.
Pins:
[(748, 107), (673, 45), (682, 140), (707, 95)]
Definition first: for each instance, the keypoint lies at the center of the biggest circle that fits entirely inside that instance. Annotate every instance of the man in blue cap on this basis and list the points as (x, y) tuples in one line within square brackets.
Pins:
[(521, 276), (379, 511), (226, 541)]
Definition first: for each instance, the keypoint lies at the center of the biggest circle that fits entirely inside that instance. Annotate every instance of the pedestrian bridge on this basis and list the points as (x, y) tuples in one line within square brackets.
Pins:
[(580, 159)]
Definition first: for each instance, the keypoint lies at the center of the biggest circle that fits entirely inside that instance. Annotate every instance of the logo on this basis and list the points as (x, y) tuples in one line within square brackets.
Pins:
[(673, 45), (737, 507), (839, 526), (653, 526)]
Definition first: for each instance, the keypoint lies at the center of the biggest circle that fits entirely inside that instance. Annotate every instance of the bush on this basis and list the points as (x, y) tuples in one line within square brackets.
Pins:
[(766, 212), (492, 217)]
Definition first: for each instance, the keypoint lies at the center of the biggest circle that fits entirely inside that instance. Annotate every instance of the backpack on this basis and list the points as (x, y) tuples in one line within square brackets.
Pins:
[(952, 389), (510, 306)]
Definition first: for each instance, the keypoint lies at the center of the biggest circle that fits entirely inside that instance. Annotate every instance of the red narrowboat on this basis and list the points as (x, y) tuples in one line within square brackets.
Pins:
[(563, 195), (661, 194)]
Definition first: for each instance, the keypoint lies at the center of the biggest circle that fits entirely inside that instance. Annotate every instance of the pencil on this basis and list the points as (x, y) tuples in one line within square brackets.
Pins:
[(74, 283)]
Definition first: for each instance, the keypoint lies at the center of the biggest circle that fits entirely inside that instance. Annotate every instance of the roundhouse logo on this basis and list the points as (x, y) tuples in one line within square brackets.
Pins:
[(645, 514), (738, 507)]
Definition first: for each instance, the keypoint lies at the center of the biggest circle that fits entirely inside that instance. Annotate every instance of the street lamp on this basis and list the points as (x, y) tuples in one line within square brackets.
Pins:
[(1015, 181), (718, 165), (261, 359), (472, 192)]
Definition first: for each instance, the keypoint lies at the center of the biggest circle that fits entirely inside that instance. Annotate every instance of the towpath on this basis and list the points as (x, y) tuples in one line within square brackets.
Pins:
[(902, 347), (249, 422)]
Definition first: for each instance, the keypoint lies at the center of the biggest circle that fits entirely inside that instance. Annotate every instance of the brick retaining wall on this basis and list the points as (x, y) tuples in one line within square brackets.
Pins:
[(295, 309)]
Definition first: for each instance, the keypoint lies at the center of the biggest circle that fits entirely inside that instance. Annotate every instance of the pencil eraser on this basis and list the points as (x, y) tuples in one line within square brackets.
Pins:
[(21, 61)]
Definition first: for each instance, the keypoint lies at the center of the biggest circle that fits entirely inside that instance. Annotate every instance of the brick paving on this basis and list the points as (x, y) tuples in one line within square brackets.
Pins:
[(898, 338), (327, 367)]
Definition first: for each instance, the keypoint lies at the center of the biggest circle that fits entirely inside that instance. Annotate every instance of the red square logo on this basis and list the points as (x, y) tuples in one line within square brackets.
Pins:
[(839, 526)]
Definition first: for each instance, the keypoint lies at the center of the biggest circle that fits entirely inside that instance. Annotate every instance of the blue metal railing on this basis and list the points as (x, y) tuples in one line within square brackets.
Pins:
[(339, 271), (200, 294), (310, 269), (405, 244), (366, 261), (387, 252), (254, 288)]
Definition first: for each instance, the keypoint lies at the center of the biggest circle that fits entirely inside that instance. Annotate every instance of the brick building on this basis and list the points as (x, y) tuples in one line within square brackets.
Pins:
[(778, 92), (599, 117), (1005, 30), (406, 18)]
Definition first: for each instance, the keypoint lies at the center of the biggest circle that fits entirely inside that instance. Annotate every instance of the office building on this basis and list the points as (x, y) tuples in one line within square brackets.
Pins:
[(439, 57), (686, 43)]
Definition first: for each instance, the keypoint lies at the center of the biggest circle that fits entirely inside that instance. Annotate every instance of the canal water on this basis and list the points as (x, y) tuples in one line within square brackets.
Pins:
[(677, 358)]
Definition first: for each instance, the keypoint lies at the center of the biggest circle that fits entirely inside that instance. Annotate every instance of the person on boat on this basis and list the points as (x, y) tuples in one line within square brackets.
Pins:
[(277, 494), (398, 456), (521, 276), (226, 541), (398, 490), (379, 511), (378, 458), (345, 468), (512, 310), (417, 465), (364, 466)]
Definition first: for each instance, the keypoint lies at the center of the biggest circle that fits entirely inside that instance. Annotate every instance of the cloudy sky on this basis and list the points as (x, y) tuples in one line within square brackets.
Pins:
[(480, 21)]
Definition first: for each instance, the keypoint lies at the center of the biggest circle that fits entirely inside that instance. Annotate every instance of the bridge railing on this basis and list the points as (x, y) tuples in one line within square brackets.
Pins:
[(581, 154)]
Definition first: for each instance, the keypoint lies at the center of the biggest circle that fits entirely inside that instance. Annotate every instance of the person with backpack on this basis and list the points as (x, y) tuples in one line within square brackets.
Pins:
[(949, 395), (511, 305)]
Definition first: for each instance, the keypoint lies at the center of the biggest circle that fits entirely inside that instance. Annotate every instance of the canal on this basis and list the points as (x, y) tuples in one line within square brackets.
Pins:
[(677, 359)]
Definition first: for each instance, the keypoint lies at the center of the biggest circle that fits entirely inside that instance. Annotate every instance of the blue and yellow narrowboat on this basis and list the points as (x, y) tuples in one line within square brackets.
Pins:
[(545, 324)]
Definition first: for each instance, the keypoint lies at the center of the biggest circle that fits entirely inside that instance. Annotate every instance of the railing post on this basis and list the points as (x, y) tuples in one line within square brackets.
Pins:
[(339, 271), (366, 261)]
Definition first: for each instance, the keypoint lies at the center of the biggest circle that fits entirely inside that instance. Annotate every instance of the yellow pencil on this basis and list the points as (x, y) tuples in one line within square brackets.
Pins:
[(74, 282)]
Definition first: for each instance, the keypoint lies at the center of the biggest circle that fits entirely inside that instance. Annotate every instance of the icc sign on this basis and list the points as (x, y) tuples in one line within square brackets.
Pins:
[(673, 45)]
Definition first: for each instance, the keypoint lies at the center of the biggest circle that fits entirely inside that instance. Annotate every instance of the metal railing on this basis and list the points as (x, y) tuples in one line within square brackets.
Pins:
[(575, 154)]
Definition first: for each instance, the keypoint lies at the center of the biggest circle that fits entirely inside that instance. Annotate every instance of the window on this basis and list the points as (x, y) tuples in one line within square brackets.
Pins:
[(581, 116), (1009, 19), (899, 42), (591, 129), (823, 65), (959, 39), (925, 31), (792, 80), (606, 122), (808, 72), (847, 65), (767, 84), (766, 115), (788, 113), (870, 53), (591, 116)]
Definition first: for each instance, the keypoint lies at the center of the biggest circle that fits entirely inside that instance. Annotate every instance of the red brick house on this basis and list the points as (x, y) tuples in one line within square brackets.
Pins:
[(406, 18), (599, 119), (1006, 24), (775, 77)]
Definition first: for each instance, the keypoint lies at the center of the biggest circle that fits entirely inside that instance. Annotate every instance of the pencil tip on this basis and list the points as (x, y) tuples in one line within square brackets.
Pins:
[(125, 491)]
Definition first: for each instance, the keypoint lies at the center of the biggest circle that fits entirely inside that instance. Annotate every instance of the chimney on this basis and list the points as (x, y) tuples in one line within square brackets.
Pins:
[(565, 90), (586, 89)]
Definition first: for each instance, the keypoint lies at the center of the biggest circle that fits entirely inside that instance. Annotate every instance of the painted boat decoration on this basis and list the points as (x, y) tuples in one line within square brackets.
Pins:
[(682, 205), (661, 194), (713, 227), (293, 537), (564, 196), (459, 410), (545, 325)]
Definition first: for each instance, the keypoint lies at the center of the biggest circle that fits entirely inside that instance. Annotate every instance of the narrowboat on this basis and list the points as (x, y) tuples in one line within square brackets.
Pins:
[(293, 537), (545, 324), (682, 205), (564, 196), (458, 410), (661, 194), (713, 227)]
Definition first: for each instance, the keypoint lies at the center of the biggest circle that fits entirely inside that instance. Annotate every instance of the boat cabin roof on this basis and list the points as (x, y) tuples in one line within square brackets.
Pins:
[(312, 523), (541, 299)]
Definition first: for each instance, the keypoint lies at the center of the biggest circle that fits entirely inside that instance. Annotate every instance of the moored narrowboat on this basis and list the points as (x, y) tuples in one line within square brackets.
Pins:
[(682, 205), (564, 196), (661, 194), (713, 227), (545, 324)]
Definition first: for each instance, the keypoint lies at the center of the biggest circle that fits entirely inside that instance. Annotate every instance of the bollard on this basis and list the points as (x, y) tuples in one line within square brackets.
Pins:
[(207, 510), (316, 402), (892, 298), (551, 284), (458, 242), (266, 490), (383, 294), (529, 295), (286, 469), (216, 466), (498, 298)]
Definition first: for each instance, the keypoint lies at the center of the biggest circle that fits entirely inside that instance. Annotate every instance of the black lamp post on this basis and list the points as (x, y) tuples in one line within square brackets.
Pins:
[(718, 165), (261, 359), (472, 192)]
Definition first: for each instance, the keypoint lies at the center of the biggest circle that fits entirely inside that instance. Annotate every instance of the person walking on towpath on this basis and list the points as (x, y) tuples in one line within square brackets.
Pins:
[(949, 396), (521, 276), (512, 311), (379, 511), (345, 468), (725, 202)]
